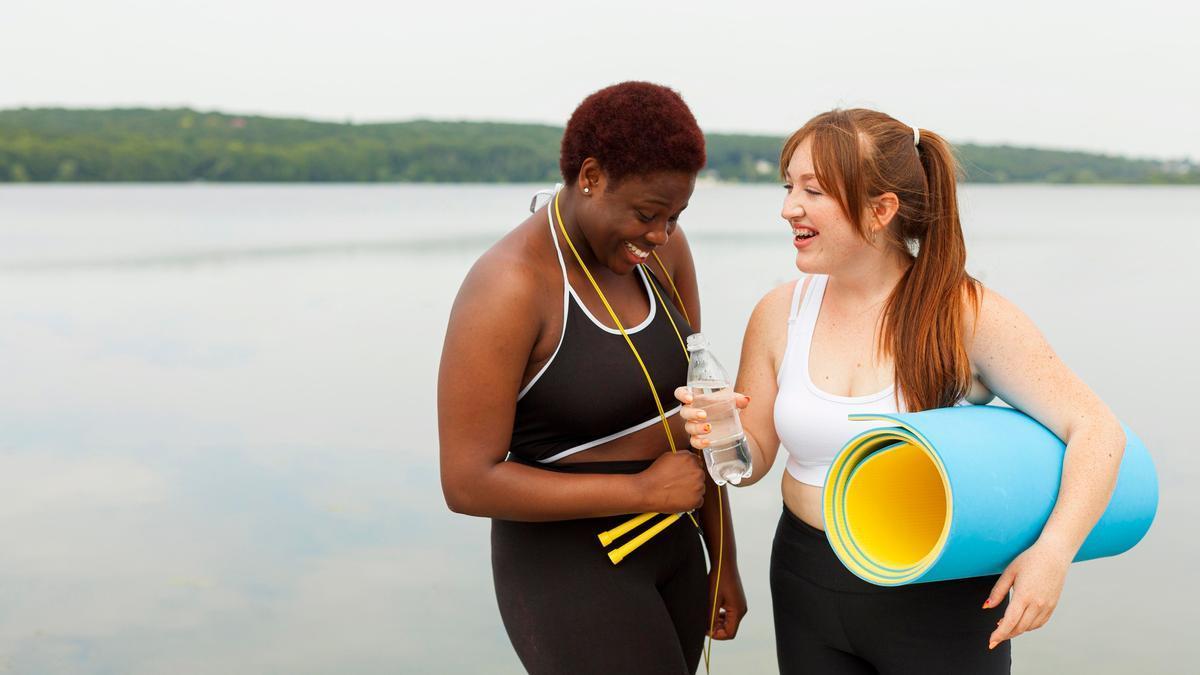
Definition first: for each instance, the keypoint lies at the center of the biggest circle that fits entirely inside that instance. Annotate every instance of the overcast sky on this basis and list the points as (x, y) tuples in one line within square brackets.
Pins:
[(1077, 75)]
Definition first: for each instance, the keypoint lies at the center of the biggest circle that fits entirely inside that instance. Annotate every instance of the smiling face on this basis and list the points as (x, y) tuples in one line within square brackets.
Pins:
[(625, 222), (826, 240)]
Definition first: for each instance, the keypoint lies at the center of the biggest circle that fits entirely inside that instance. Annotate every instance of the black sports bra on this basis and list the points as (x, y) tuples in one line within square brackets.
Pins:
[(592, 389)]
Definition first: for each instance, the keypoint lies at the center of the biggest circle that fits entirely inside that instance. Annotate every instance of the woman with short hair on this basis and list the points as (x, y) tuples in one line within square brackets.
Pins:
[(549, 425)]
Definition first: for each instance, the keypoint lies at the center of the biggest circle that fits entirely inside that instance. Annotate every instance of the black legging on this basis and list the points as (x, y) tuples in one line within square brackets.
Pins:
[(568, 609), (829, 621)]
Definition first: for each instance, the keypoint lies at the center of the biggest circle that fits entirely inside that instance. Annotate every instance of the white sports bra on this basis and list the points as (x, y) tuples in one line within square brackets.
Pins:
[(811, 423)]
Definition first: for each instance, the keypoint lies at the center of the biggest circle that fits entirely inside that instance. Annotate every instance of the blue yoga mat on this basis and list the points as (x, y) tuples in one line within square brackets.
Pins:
[(960, 492)]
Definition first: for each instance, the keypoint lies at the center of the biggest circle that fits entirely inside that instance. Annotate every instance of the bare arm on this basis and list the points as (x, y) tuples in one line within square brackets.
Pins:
[(1015, 361), (758, 372), (493, 326), (762, 352), (684, 275)]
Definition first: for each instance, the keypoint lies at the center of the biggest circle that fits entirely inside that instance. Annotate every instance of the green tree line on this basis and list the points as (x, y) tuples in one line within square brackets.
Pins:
[(143, 145)]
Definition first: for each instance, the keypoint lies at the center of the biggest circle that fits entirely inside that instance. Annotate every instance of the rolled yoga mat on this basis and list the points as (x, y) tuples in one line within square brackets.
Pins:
[(960, 492)]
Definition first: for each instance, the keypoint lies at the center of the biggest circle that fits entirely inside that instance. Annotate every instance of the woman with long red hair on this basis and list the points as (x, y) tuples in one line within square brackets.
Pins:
[(885, 318)]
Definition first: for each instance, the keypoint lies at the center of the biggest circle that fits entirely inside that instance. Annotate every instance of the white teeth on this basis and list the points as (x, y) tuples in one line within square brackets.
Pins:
[(636, 251), (803, 232)]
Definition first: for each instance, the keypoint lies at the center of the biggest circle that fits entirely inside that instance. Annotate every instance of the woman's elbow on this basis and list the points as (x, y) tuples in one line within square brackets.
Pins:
[(456, 501), (1107, 438), (459, 496), (1104, 433), (754, 477)]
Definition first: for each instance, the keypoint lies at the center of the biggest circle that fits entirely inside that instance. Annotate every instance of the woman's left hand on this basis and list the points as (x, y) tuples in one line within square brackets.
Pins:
[(731, 603), (1036, 578)]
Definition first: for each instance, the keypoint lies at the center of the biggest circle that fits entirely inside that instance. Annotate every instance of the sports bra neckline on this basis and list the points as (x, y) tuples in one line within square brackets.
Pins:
[(807, 316), (569, 289)]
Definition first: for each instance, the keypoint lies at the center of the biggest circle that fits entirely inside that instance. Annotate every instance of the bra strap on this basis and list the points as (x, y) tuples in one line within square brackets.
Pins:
[(797, 291)]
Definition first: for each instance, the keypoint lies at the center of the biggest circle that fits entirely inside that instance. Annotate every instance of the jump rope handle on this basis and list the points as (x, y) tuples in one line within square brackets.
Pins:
[(609, 536)]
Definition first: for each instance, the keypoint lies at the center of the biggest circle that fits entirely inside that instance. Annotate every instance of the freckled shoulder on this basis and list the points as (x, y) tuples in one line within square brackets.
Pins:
[(778, 301), (767, 328), (993, 314), (1003, 336), (1015, 361)]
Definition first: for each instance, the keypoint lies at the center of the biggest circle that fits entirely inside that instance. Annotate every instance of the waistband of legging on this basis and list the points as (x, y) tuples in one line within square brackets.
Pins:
[(804, 551), (804, 528)]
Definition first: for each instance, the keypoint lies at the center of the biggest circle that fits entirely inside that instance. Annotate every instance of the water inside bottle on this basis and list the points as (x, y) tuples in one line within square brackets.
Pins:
[(729, 464), (727, 455)]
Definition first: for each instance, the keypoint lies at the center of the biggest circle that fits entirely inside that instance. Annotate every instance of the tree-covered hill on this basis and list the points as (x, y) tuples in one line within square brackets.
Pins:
[(43, 145)]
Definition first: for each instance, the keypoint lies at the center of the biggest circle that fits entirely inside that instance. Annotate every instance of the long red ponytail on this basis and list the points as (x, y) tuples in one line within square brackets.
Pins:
[(860, 154)]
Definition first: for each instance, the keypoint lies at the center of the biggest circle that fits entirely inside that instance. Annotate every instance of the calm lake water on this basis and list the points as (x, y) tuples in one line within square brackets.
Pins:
[(218, 445)]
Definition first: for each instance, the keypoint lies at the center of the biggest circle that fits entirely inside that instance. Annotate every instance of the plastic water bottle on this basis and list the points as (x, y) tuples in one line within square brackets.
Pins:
[(727, 455)]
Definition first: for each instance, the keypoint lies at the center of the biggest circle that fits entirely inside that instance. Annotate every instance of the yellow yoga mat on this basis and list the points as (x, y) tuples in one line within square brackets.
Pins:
[(959, 492)]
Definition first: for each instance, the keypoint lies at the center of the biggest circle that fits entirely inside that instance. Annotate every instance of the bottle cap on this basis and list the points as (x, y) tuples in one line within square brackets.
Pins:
[(696, 342)]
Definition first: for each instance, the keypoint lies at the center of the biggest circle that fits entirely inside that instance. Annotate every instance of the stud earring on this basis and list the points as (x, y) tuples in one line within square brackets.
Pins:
[(587, 190)]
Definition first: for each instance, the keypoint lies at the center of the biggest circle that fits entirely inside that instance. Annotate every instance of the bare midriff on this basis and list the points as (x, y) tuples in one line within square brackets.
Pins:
[(804, 501)]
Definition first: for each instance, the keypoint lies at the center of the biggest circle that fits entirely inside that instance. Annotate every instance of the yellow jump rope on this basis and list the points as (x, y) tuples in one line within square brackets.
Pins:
[(609, 536)]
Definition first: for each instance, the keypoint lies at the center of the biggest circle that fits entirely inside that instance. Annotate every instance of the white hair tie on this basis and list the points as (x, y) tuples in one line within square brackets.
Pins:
[(916, 137)]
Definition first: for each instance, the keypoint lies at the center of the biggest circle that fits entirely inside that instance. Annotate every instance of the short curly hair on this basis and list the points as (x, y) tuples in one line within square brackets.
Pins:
[(632, 129)]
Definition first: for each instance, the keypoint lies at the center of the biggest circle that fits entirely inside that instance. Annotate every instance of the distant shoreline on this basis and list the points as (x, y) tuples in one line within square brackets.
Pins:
[(183, 146), (201, 184)]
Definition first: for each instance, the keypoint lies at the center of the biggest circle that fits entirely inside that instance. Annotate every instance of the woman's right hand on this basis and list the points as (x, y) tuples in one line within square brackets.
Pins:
[(695, 422), (674, 483)]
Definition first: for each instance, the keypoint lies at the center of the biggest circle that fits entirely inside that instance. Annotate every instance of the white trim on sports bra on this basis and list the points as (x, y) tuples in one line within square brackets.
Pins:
[(562, 265), (812, 424), (611, 437), (569, 292), (630, 331)]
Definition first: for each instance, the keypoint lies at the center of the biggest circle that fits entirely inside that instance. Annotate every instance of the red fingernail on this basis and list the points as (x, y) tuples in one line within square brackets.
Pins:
[(986, 603)]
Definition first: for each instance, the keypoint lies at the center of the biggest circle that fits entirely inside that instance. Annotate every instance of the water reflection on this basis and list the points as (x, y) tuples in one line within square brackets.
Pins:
[(218, 431)]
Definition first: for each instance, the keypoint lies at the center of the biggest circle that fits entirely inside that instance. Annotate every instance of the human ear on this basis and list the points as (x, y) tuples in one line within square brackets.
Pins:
[(883, 209), (591, 177)]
